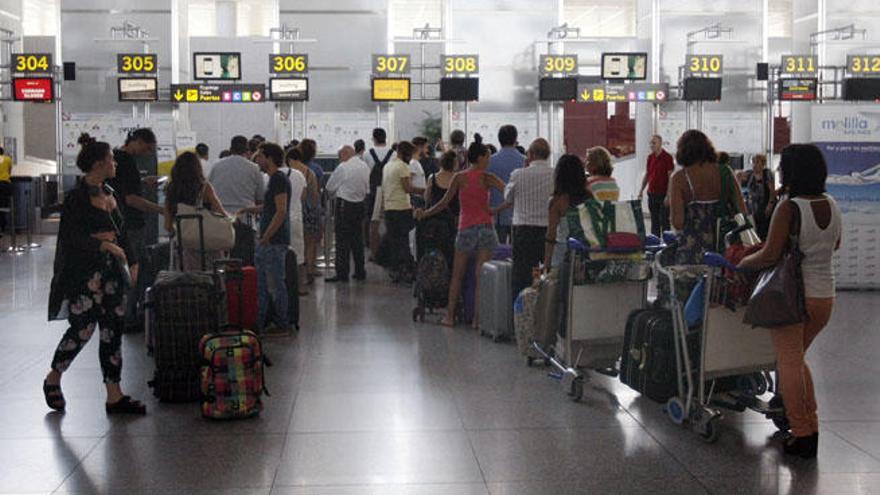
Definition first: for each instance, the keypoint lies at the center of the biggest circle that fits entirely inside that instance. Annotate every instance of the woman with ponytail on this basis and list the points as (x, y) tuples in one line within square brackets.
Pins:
[(91, 277), (476, 231)]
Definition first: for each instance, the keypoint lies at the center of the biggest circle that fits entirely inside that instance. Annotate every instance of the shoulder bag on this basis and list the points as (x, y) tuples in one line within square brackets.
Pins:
[(218, 230), (778, 297)]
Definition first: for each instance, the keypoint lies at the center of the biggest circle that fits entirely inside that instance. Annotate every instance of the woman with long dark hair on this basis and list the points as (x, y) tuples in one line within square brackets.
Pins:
[(88, 287), (476, 232), (189, 186), (803, 175), (570, 189)]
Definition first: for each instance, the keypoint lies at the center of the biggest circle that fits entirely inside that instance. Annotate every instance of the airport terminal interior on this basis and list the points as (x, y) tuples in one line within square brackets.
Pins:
[(439, 247)]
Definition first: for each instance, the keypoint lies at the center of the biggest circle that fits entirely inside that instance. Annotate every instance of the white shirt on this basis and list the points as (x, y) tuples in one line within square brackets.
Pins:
[(529, 190), (818, 246), (206, 168), (297, 187), (381, 151), (350, 181), (418, 174)]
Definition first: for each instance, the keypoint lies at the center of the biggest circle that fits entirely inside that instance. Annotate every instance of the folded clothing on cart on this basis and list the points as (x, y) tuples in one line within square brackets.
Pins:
[(610, 226), (590, 271)]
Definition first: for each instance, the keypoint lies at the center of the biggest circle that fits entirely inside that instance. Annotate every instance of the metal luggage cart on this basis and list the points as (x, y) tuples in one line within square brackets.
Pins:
[(726, 348), (595, 318)]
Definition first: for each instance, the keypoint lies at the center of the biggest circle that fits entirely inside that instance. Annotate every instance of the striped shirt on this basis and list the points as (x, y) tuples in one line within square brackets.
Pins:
[(530, 189), (604, 188)]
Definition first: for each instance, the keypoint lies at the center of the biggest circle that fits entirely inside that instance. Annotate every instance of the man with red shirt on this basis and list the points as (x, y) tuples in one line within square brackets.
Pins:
[(660, 167)]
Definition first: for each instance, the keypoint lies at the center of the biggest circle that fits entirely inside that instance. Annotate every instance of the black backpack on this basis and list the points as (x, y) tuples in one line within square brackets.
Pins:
[(376, 172)]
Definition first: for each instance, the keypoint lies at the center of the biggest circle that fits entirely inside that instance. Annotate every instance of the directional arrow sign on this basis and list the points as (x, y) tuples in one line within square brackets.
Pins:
[(591, 93), (218, 93)]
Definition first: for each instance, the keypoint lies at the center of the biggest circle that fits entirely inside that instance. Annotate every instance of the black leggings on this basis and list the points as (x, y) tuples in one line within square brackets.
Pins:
[(100, 302)]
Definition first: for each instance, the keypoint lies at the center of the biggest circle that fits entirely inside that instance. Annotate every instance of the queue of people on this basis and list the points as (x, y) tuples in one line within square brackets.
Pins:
[(467, 202)]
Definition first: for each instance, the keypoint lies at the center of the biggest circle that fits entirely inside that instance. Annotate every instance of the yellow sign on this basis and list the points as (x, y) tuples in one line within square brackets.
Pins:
[(704, 64), (32, 62), (799, 65), (460, 64), (863, 64), (136, 63), (390, 64), (288, 63), (396, 89), (558, 64)]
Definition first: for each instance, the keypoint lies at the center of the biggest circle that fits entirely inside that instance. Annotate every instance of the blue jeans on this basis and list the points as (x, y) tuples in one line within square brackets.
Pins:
[(269, 261)]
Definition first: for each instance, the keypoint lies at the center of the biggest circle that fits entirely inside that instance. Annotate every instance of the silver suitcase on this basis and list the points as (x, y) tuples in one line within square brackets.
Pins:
[(496, 300)]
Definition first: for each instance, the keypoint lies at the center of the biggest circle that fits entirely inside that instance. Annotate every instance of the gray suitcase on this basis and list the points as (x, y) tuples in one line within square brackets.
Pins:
[(496, 300)]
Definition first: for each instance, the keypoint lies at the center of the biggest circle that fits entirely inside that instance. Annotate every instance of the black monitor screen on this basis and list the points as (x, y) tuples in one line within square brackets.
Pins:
[(702, 89), (558, 89), (459, 89), (861, 89)]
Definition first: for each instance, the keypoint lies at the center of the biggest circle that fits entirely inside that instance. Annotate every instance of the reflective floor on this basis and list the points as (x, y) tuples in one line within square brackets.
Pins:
[(364, 401)]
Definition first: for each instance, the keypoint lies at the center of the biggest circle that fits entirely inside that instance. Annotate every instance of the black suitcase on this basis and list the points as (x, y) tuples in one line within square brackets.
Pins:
[(648, 361), (156, 257), (291, 279), (182, 307)]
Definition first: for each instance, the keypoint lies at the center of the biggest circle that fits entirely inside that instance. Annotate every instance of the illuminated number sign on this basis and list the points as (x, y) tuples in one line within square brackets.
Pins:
[(459, 64), (864, 65), (799, 65), (136, 63), (288, 64), (565, 65), (390, 64), (704, 65), (32, 62)]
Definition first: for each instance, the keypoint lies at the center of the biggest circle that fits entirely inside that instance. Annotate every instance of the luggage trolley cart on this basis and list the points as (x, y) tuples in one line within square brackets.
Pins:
[(599, 296), (724, 347)]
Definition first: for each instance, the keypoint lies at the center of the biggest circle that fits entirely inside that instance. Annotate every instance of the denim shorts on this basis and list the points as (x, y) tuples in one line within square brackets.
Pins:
[(477, 238)]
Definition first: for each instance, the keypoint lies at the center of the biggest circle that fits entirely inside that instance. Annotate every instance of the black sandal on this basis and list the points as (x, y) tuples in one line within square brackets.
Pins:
[(54, 397), (126, 405)]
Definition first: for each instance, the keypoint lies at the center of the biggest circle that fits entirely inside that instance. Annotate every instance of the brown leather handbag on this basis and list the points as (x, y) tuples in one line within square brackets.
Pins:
[(778, 297)]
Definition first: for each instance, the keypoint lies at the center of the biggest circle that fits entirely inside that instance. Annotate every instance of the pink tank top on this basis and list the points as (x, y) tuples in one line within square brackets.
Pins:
[(474, 200)]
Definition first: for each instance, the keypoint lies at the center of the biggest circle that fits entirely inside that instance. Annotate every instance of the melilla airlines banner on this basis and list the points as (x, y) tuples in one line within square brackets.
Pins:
[(849, 136)]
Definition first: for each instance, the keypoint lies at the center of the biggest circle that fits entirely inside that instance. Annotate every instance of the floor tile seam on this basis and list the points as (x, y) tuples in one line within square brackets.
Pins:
[(662, 445), (470, 442), (857, 447), (375, 484), (79, 462)]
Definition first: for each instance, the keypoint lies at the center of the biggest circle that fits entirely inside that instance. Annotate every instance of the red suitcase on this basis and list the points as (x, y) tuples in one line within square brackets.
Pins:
[(241, 292)]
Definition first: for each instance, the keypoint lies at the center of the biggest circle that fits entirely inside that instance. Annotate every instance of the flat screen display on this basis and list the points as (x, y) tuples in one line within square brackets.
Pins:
[(138, 89), (558, 89), (226, 66), (624, 66), (289, 89), (391, 89), (861, 89), (33, 89), (702, 89), (797, 89), (459, 89)]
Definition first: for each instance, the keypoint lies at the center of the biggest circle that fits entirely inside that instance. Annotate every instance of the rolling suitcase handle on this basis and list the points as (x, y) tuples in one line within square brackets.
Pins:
[(177, 220)]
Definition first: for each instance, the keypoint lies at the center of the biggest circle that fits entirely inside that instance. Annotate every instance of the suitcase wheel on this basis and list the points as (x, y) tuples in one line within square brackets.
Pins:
[(675, 410), (529, 360)]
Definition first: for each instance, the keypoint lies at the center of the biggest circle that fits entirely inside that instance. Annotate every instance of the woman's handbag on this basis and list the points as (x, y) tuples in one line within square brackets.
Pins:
[(778, 297), (218, 230)]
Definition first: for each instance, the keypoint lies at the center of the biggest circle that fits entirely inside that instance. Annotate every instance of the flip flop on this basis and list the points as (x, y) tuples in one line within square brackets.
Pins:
[(54, 397)]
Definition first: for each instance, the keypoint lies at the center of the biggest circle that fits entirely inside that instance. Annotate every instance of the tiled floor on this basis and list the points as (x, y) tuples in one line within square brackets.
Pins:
[(366, 402)]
